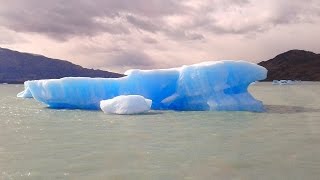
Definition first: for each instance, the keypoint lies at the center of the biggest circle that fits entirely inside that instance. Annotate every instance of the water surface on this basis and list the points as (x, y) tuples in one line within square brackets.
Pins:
[(283, 143)]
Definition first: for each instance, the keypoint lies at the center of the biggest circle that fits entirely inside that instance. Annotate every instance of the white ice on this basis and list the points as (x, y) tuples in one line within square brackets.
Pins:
[(131, 104)]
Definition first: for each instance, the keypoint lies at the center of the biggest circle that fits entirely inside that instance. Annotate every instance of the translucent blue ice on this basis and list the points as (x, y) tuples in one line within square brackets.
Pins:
[(217, 85)]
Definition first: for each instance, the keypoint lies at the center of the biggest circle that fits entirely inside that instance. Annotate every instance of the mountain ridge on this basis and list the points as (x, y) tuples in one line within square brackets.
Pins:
[(17, 67), (293, 65)]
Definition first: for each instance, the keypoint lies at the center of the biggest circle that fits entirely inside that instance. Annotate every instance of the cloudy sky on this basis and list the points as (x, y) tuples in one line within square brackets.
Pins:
[(121, 34)]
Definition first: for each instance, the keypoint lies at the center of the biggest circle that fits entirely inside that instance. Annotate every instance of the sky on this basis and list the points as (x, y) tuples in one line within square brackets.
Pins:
[(118, 35)]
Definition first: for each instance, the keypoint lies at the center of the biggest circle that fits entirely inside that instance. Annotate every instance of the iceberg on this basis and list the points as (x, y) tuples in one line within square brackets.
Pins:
[(131, 104), (213, 85), (285, 82)]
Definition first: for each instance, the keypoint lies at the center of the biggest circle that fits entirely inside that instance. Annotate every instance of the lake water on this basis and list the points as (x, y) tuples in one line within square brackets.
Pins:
[(283, 143)]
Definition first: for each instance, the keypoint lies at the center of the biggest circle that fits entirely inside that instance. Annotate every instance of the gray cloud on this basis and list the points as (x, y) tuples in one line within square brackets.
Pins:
[(64, 19), (247, 16), (149, 40), (144, 24), (130, 58), (296, 12), (157, 33)]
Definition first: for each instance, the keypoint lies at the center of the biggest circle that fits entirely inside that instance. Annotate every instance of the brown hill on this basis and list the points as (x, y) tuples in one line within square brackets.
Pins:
[(17, 67), (294, 65)]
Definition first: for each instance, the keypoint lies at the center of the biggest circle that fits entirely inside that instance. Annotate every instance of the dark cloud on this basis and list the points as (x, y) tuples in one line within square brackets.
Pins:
[(57, 20), (60, 19)]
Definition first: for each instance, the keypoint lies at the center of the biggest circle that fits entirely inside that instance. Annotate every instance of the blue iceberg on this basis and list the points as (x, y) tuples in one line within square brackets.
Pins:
[(215, 85)]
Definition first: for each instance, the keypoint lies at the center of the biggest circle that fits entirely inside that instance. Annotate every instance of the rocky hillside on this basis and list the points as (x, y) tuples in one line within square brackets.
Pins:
[(294, 65), (17, 67)]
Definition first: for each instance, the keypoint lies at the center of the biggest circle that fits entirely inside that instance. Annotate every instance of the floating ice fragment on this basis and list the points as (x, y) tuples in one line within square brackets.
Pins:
[(131, 104), (285, 82)]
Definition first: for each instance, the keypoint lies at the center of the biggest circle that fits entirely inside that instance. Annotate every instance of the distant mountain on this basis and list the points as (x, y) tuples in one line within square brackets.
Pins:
[(17, 67), (293, 65)]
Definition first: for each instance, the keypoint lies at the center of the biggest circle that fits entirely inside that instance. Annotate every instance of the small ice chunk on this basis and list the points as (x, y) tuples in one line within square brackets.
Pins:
[(129, 104)]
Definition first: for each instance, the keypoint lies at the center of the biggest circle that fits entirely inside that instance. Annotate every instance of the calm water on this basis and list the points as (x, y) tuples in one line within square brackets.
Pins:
[(283, 143)]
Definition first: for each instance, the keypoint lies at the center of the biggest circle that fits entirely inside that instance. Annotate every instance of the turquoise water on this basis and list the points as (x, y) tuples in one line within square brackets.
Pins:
[(283, 143)]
